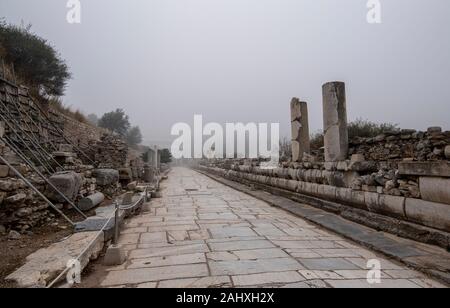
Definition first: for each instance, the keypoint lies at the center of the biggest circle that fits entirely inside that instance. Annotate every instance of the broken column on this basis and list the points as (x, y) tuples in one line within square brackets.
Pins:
[(91, 201), (148, 174), (300, 129), (335, 121)]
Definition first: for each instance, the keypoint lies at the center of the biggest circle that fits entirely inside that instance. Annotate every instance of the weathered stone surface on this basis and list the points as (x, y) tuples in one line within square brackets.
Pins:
[(335, 122), (431, 214), (341, 179), (435, 189), (17, 198), (132, 186), (134, 276), (363, 166), (46, 264), (65, 148), (300, 130), (127, 198), (91, 201), (447, 152), (14, 235), (67, 182), (4, 171), (106, 176), (125, 174), (115, 255), (267, 278), (391, 205), (430, 168), (434, 129)]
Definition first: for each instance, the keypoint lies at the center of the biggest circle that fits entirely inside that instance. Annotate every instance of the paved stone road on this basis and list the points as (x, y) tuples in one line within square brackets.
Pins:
[(204, 234)]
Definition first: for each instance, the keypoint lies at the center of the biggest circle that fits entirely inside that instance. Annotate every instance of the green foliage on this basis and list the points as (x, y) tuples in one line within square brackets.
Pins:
[(166, 156), (57, 104), (358, 128), (116, 121), (368, 129), (317, 141), (36, 62), (93, 119), (134, 136), (146, 156)]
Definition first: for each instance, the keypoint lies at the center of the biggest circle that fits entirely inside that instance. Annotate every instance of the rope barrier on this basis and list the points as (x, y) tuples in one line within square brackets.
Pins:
[(116, 226)]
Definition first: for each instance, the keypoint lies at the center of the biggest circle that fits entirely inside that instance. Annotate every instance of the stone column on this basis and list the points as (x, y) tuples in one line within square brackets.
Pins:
[(156, 161), (335, 121), (300, 129)]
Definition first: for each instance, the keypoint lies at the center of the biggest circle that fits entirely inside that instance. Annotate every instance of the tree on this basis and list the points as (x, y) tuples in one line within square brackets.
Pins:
[(134, 136), (116, 121), (166, 156), (93, 119), (35, 61)]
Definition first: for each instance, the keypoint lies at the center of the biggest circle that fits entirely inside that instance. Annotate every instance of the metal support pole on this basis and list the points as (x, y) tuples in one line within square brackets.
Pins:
[(4, 161), (31, 165), (116, 223)]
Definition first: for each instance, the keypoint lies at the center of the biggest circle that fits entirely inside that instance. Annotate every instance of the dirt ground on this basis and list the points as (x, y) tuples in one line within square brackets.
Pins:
[(14, 252)]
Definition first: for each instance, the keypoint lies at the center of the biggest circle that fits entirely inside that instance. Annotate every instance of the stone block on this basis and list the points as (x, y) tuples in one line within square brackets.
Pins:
[(115, 255), (132, 186), (91, 201), (128, 198), (327, 192), (363, 166), (292, 185), (341, 179), (431, 214), (435, 189), (344, 195), (4, 171), (430, 168), (17, 198), (68, 183), (311, 189), (106, 177), (293, 173), (65, 148), (372, 200), (46, 264), (391, 205), (357, 158), (359, 199), (2, 129), (447, 152), (125, 174), (434, 129)]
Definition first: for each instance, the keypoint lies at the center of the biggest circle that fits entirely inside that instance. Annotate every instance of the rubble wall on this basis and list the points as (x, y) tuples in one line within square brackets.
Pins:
[(20, 208)]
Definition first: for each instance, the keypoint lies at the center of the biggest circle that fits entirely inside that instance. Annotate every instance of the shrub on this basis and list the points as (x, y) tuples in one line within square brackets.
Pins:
[(36, 62)]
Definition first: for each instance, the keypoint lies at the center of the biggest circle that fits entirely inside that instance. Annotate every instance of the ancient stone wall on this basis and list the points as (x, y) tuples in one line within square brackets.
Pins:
[(23, 120), (403, 175)]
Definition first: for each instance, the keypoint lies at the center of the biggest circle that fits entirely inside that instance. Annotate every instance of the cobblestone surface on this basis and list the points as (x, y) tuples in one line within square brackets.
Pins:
[(204, 234)]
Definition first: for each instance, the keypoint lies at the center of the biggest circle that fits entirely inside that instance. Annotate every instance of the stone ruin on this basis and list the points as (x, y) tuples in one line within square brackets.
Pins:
[(85, 161), (397, 182)]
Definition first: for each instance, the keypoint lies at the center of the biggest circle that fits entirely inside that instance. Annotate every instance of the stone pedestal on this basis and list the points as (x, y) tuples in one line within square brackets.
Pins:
[(300, 130), (335, 121), (115, 255), (149, 174)]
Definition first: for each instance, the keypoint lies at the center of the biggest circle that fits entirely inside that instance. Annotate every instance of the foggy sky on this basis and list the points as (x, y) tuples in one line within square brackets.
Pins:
[(243, 60)]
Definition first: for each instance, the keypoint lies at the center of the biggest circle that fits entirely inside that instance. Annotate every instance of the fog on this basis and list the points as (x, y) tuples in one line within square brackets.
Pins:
[(163, 61)]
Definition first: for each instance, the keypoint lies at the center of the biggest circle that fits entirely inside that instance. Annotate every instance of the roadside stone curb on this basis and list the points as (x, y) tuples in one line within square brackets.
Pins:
[(434, 265)]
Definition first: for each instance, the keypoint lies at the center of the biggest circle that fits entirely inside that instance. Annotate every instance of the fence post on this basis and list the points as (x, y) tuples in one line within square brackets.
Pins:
[(116, 223)]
